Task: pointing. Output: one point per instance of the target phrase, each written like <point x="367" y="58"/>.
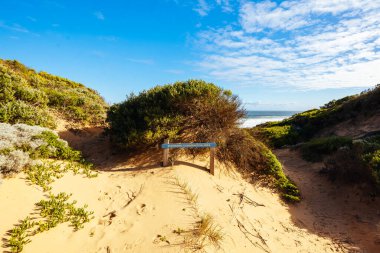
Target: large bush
<point x="195" y="111"/>
<point x="37" y="98"/>
<point x="187" y="111"/>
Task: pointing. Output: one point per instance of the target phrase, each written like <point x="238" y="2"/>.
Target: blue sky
<point x="276" y="55"/>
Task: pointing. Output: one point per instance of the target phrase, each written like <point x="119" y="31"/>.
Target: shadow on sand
<point x="97" y="148"/>
<point x="345" y="214"/>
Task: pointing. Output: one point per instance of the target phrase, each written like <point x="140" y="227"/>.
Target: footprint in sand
<point x="140" y="209"/>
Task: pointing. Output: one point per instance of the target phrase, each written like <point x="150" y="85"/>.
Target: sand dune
<point x="138" y="210"/>
<point x="141" y="207"/>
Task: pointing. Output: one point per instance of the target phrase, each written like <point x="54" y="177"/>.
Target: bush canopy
<point x="191" y="111"/>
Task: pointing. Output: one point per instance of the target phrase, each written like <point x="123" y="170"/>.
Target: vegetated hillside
<point x="353" y="155"/>
<point x="38" y="98"/>
<point x="195" y="111"/>
<point x="306" y="125"/>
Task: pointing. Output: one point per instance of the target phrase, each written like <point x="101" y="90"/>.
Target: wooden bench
<point x="211" y="145"/>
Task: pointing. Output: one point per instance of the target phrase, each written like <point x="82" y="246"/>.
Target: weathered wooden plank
<point x="189" y="145"/>
<point x="166" y="154"/>
<point x="212" y="161"/>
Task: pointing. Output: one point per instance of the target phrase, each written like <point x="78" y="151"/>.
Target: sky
<point x="275" y="55"/>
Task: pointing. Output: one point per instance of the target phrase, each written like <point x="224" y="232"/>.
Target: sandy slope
<point x="344" y="213"/>
<point x="160" y="208"/>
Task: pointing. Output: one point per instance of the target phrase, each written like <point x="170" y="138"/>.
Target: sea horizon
<point x="257" y="117"/>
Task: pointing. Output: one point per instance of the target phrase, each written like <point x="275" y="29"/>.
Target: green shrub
<point x="50" y="213"/>
<point x="358" y="163"/>
<point x="19" y="235"/>
<point x="55" y="98"/>
<point x="36" y="98"/>
<point x="190" y="111"/>
<point x="373" y="161"/>
<point x="54" y="147"/>
<point x="316" y="149"/>
<point x="289" y="190"/>
<point x="20" y="112"/>
<point x="44" y="173"/>
<point x="275" y="135"/>
<point x="57" y="210"/>
<point x="30" y="95"/>
<point x="77" y="113"/>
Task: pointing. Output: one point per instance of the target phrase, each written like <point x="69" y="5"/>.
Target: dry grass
<point x="191" y="197"/>
<point x="206" y="232"/>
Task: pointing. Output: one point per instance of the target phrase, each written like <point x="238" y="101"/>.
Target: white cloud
<point x="99" y="15"/>
<point x="291" y="15"/>
<point x="225" y="4"/>
<point x="305" y="44"/>
<point x="202" y="8"/>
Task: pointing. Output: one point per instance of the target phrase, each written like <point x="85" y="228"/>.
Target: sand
<point x="339" y="211"/>
<point x="137" y="205"/>
<point x="160" y="208"/>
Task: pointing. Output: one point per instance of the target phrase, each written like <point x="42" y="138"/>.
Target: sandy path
<point x="340" y="212"/>
<point x="160" y="208"/>
<point x="256" y="222"/>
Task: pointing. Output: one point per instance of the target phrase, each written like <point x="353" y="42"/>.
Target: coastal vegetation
<point x="304" y="126"/>
<point x="43" y="157"/>
<point x="49" y="213"/>
<point x="356" y="163"/>
<point x="353" y="159"/>
<point x="31" y="148"/>
<point x="39" y="98"/>
<point x="317" y="149"/>
<point x="195" y="111"/>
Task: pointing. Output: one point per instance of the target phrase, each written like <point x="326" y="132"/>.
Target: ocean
<point x="258" y="117"/>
